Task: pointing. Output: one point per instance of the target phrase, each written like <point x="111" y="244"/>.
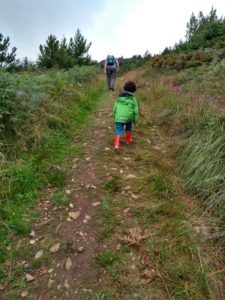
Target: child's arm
<point x="114" y="110"/>
<point x="136" y="112"/>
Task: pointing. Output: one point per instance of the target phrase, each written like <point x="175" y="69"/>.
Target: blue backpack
<point x="111" y="60"/>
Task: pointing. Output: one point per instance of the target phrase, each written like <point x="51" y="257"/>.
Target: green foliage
<point x="60" y="198"/>
<point x="49" y="53"/>
<point x="25" y="104"/>
<point x="106" y="295"/>
<point x="110" y="220"/>
<point x="204" y="36"/>
<point x="55" y="54"/>
<point x="127" y="64"/>
<point x="160" y="185"/>
<point x="78" y="49"/>
<point x="113" y="185"/>
<point x="107" y="258"/>
<point x="205" y="31"/>
<point x="6" y="58"/>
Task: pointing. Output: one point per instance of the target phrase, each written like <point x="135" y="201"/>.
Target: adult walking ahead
<point x="111" y="67"/>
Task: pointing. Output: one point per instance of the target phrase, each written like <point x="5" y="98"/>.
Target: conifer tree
<point x="49" y="56"/>
<point x="78" y="49"/>
<point x="6" y="58"/>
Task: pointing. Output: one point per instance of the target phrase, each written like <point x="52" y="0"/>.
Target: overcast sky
<point x="121" y="27"/>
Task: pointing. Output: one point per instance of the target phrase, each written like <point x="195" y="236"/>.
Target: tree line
<point x="201" y="32"/>
<point x="53" y="54"/>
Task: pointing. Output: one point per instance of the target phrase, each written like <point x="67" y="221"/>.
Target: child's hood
<point x="125" y="97"/>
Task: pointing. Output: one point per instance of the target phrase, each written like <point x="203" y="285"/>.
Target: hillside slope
<point x="124" y="226"/>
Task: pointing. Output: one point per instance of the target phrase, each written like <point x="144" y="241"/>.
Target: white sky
<point x="121" y="27"/>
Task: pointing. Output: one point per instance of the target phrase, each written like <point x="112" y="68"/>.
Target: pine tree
<point x="6" y="58"/>
<point x="191" y="27"/>
<point x="49" y="56"/>
<point x="78" y="49"/>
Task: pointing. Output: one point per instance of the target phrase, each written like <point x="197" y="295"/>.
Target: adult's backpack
<point x="110" y="60"/>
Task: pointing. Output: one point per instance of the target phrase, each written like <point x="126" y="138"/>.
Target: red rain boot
<point x="128" y="137"/>
<point x="117" y="142"/>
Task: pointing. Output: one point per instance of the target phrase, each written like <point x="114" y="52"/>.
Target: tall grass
<point x="202" y="162"/>
<point x="192" y="106"/>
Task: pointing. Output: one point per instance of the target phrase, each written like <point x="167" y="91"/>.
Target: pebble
<point x="127" y="188"/>
<point x="50" y="283"/>
<point x="95" y="204"/>
<point x="80" y="249"/>
<point x="39" y="254"/>
<point x="125" y="211"/>
<point x="29" y="277"/>
<point x="131" y="176"/>
<point x="74" y="215"/>
<point x="66" y="285"/>
<point x="68" y="264"/>
<point x="55" y="248"/>
<point x="24" y="294"/>
<point x="32" y="233"/>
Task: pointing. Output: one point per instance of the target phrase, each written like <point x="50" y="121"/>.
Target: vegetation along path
<point x="124" y="228"/>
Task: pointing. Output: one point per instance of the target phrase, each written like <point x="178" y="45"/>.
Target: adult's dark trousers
<point x="111" y="77"/>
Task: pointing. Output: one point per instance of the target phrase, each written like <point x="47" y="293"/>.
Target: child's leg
<point x="128" y="130"/>
<point x="118" y="132"/>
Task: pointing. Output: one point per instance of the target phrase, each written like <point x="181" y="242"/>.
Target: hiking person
<point x="125" y="113"/>
<point x="111" y="66"/>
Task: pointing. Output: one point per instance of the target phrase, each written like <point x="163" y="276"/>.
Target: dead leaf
<point x="134" y="236"/>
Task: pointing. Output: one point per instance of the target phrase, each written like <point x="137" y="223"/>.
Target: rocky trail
<point x="129" y="230"/>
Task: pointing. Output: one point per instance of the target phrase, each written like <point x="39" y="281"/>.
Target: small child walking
<point x="125" y="113"/>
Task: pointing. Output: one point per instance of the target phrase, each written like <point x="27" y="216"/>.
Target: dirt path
<point x="129" y="229"/>
<point x="72" y="272"/>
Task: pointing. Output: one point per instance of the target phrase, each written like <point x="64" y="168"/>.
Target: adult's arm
<point x="105" y="66"/>
<point x="117" y="64"/>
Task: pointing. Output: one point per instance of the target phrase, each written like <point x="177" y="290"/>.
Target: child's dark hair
<point x="130" y="86"/>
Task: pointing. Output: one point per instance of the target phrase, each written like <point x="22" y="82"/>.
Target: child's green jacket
<point x="126" y="109"/>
